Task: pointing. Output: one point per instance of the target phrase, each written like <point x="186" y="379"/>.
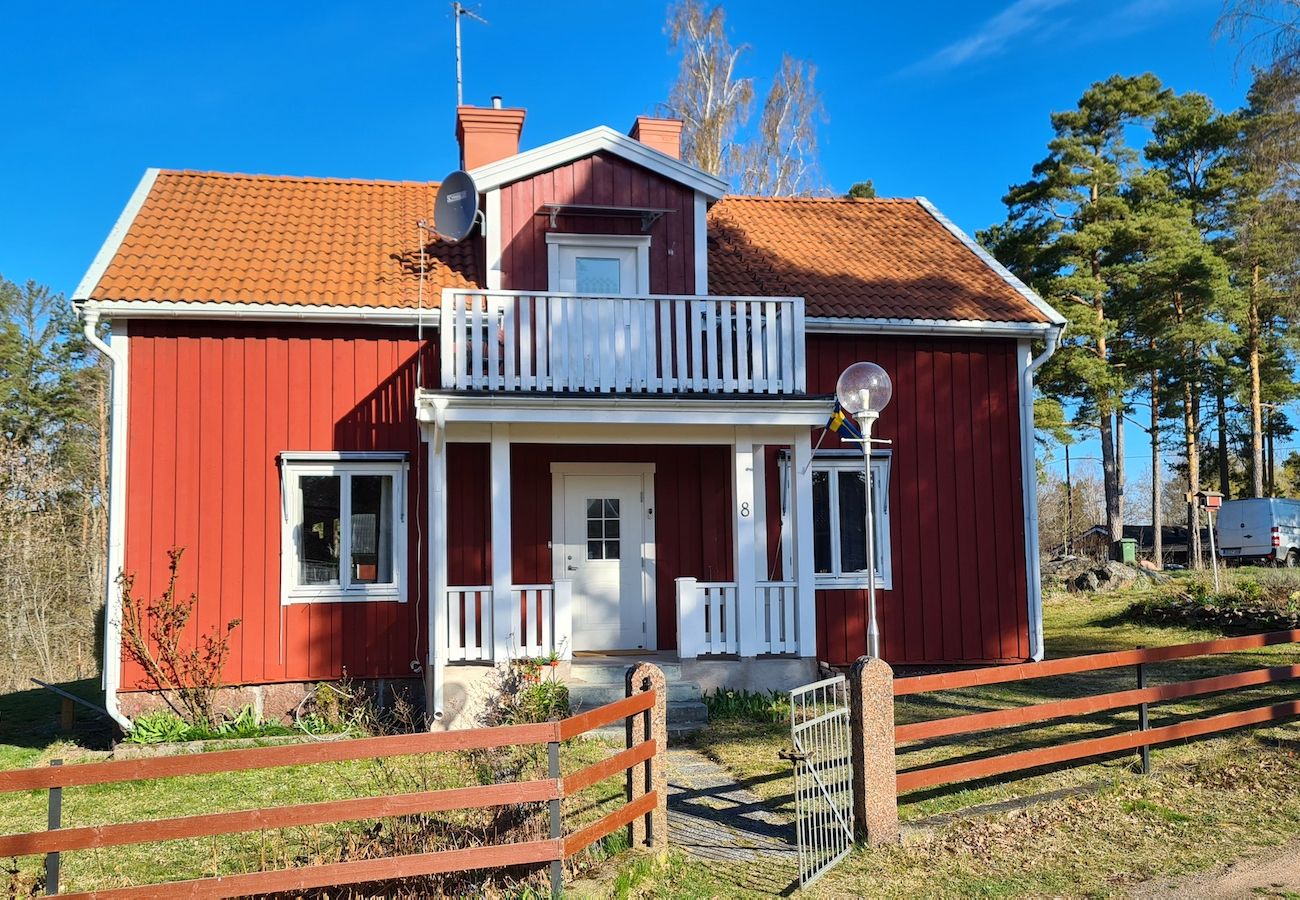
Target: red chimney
<point x="665" y="135"/>
<point x="487" y="135"/>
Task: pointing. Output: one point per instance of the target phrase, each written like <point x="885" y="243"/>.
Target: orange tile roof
<point x="855" y="258"/>
<point x="214" y="237"/>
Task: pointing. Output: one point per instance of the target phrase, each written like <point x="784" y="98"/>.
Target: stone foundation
<point x="279" y="702"/>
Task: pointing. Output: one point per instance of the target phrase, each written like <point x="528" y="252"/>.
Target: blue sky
<point x="945" y="99"/>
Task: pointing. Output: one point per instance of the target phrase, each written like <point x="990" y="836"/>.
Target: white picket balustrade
<point x="658" y="344"/>
<point x="469" y="623"/>
<point x="709" y="614"/>
<point x="774" y="609"/>
<point x="541" y="621"/>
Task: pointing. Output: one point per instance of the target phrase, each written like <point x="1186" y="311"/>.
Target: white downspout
<point x="116" y="513"/>
<point x="1029" y="478"/>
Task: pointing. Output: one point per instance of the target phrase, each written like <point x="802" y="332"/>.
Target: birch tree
<point x="710" y="97"/>
<point x="780" y="160"/>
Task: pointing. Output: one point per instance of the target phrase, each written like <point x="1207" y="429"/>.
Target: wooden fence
<point x="875" y="690"/>
<point x="644" y="808"/>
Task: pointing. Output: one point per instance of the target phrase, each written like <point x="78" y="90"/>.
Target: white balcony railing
<point x="523" y="341"/>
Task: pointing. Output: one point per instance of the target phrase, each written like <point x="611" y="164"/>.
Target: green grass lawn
<point x="1207" y="802"/>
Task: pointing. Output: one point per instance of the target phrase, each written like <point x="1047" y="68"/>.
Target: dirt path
<point x="1272" y="874"/>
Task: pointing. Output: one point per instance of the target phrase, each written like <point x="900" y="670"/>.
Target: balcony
<point x="521" y="341"/>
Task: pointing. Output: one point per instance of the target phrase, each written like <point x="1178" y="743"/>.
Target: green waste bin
<point x="1126" y="551"/>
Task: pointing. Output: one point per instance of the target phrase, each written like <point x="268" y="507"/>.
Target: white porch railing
<point x="774" y="606"/>
<point x="469" y="623"/>
<point x="709" y="618"/>
<point x="657" y="344"/>
<point x="541" y="621"/>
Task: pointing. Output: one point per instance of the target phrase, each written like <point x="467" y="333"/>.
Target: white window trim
<point x="638" y="242"/>
<point x="293" y="465"/>
<point x="851" y="461"/>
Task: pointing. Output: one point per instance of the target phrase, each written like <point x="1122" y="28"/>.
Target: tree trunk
<point x="1120" y="480"/>
<point x="1114" y="514"/>
<point x="1221" y="412"/>
<point x="1256" y="398"/>
<point x="1193" y="451"/>
<point x="1157" y="515"/>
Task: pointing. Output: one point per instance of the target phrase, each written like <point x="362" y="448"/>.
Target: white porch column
<point x="761" y="571"/>
<point x="742" y="472"/>
<point x="804" y="574"/>
<point x="503" y="618"/>
<point x="437" y="556"/>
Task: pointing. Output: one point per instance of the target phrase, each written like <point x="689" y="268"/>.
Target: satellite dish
<point x="456" y="208"/>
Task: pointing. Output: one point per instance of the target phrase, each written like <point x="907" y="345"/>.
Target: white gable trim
<point x="987" y="258"/>
<point x="600" y="138"/>
<point x="114" y="240"/>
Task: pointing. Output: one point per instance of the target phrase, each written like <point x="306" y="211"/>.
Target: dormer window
<point x="610" y="265"/>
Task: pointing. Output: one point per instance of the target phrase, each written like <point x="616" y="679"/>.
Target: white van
<point x="1260" y="531"/>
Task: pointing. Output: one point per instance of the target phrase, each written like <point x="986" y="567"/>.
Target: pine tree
<point x="1264" y="216"/>
<point x="1061" y="234"/>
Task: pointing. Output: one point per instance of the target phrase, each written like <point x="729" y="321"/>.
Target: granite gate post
<point x="871" y="719"/>
<point x="650" y="830"/>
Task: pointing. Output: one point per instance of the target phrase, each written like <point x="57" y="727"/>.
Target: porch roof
<point x="615" y="410"/>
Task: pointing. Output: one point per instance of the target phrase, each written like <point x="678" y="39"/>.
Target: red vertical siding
<point x="605" y="181"/>
<point x="211" y="406"/>
<point x="955" y="497"/>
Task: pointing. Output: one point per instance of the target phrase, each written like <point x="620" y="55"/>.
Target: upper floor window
<point x="344" y="527"/>
<point x="607" y="264"/>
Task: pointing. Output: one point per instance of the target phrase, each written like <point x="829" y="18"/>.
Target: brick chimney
<point x="665" y="135"/>
<point x="487" y="135"/>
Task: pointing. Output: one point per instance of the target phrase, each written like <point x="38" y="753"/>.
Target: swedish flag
<point x="843" y="426"/>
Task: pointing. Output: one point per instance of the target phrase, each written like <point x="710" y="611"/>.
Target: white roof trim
<point x="281" y="312"/>
<point x="114" y="240"/>
<point x="987" y="258"/>
<point x="951" y="327"/>
<point x="602" y="137"/>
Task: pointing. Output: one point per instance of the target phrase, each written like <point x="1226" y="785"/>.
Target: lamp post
<point x="863" y="390"/>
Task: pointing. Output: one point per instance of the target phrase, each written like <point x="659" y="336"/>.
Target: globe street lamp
<point x="863" y="390"/>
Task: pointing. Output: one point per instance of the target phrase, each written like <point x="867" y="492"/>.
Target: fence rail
<point x="1140" y="697"/>
<point x="645" y="704"/>
<point x="657" y="344"/>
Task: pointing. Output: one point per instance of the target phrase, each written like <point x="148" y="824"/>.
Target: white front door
<point x="601" y="553"/>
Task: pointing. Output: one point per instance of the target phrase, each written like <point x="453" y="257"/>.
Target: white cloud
<point x="991" y="37"/>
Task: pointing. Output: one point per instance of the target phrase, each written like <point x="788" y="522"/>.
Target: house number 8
<point x="744" y="510"/>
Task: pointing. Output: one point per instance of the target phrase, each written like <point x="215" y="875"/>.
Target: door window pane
<point x="602" y="529"/>
<point x="372" y="529"/>
<point x="853" y="523"/>
<point x="597" y="275"/>
<point x="821" y="521"/>
<point x="319" y="534"/>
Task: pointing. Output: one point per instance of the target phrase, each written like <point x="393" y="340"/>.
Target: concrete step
<point x="616" y="673"/>
<point x="684" y="717"/>
<point x="583" y="695"/>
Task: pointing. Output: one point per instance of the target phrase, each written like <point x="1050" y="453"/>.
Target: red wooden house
<point x="587" y="427"/>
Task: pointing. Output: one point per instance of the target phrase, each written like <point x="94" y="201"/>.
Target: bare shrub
<point x="154" y="635"/>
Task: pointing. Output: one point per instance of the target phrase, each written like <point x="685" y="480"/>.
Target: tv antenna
<point x="458" y="10"/>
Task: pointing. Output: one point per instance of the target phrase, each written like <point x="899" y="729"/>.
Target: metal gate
<point x="823" y="775"/>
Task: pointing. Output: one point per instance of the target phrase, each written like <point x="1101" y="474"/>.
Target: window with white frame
<point x="344" y="524"/>
<point x="839" y="520"/>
